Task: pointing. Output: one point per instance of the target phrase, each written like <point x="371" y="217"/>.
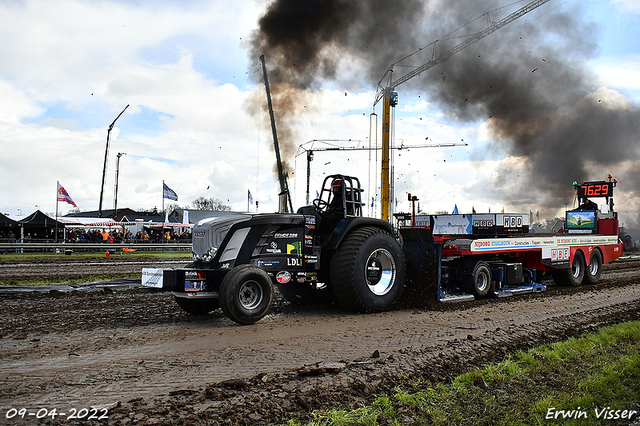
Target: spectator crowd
<point x="82" y="235"/>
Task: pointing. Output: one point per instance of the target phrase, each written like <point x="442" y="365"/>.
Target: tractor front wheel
<point x="246" y="294"/>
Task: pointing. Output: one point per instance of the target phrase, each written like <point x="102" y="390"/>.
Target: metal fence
<point x="49" y="246"/>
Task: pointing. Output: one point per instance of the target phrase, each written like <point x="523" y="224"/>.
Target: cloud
<point x="197" y="120"/>
<point x="628" y="5"/>
<point x="21" y="104"/>
<point x="69" y="67"/>
<point x="622" y="72"/>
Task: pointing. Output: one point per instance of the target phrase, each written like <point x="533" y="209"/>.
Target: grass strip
<point x="591" y="380"/>
<point x="39" y="281"/>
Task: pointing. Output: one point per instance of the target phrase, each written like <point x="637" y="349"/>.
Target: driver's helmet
<point x="336" y="186"/>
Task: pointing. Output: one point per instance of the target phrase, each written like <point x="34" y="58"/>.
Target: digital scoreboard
<point x="595" y="189"/>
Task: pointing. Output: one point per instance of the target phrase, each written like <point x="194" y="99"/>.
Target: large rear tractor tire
<point x="246" y="294"/>
<point x="594" y="270"/>
<point x="195" y="306"/>
<point x="367" y="271"/>
<point x="571" y="276"/>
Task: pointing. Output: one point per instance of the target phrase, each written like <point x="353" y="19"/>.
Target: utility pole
<point x="115" y="196"/>
<point x="106" y="156"/>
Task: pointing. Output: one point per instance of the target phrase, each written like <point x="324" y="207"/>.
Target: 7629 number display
<point x="596" y="189"/>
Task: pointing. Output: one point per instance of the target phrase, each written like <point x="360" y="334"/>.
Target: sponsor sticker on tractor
<point x="283" y="277"/>
<point x="194" y="281"/>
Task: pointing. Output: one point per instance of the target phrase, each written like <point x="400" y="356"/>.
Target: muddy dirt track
<point x="135" y="356"/>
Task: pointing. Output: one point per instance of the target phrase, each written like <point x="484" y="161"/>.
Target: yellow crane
<point x="386" y="91"/>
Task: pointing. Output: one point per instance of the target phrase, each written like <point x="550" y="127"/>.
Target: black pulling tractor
<point x="326" y="251"/>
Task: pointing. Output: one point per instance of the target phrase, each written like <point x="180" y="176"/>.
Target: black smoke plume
<point x="528" y="81"/>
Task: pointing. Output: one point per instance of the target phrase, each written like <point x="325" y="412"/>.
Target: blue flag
<point x="168" y="192"/>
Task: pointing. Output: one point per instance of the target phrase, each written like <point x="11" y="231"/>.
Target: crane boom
<point x="468" y="42"/>
<point x="302" y="149"/>
<point x="459" y="47"/>
<point x="389" y="97"/>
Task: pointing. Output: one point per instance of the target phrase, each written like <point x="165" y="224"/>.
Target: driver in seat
<point x="336" y="206"/>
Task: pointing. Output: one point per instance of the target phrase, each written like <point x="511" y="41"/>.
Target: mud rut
<point x="136" y="354"/>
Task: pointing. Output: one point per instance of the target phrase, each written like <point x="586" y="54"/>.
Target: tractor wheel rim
<point x="250" y="294"/>
<point x="380" y="272"/>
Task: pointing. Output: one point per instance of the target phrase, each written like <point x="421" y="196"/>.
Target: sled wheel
<point x="480" y="282"/>
<point x="571" y="276"/>
<point x="197" y="306"/>
<point x="594" y="270"/>
<point x="246" y="294"/>
<point x="367" y="271"/>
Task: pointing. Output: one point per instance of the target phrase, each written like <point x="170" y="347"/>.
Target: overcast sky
<point x="69" y="67"/>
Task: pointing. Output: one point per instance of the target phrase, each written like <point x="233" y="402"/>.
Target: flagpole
<point x="55" y="236"/>
<point x="162" y="194"/>
<point x="248" y="193"/>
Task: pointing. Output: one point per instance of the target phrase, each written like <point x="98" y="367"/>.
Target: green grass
<point x="578" y="378"/>
<point x="82" y="277"/>
<point x="55" y="281"/>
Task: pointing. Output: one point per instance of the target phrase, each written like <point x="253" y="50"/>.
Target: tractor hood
<point x="208" y="234"/>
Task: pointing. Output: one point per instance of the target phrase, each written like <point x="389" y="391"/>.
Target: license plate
<point x="152" y="278"/>
<point x="193" y="285"/>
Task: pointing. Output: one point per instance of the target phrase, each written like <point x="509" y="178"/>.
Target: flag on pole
<point x="455" y="209"/>
<point x="250" y="197"/>
<point x="168" y="193"/>
<point x="63" y="195"/>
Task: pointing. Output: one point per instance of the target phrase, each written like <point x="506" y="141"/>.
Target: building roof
<point x="6" y="221"/>
<point x="105" y="213"/>
<point x="145" y="218"/>
<point x="38" y="219"/>
<point x="195" y="216"/>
